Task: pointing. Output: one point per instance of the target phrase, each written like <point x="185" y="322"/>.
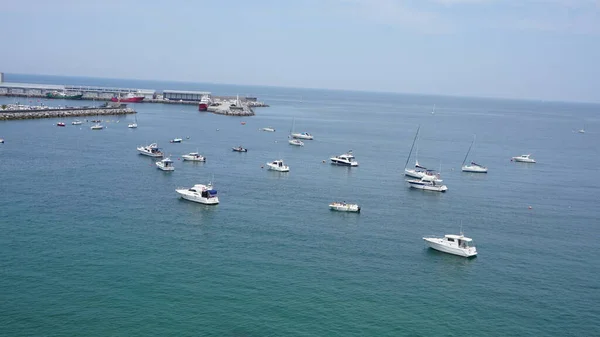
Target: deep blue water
<point x="95" y="241"/>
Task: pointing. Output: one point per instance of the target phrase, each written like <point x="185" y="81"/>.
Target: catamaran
<point x="473" y="167"/>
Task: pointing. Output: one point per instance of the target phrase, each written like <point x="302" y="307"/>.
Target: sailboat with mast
<point x="473" y="167"/>
<point x="292" y="140"/>
<point x="419" y="172"/>
<point x="134" y="124"/>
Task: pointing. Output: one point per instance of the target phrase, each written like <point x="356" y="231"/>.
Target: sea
<point x="94" y="241"/>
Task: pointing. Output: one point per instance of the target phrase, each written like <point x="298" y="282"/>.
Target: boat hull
<point x="149" y="154"/>
<point x="197" y="199"/>
<point x="427" y="187"/>
<point x="202" y="107"/>
<point x="421" y="175"/>
<point x="295" y="142"/>
<point x="278" y="168"/>
<point x="193" y="158"/>
<point x="474" y="169"/>
<point x="435" y="243"/>
<point x="302" y="136"/>
<point x="50" y="95"/>
<point x="132" y="126"/>
<point x="162" y="167"/>
<point x="239" y="150"/>
<point x="521" y="160"/>
<point x="353" y="208"/>
<point x="343" y="163"/>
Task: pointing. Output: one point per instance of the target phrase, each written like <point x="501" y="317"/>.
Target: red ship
<point x="204" y="102"/>
<point x="130" y="98"/>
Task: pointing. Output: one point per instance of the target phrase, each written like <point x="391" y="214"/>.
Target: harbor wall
<point x="62" y="112"/>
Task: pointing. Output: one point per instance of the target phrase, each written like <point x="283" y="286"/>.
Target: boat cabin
<point x="458" y="240"/>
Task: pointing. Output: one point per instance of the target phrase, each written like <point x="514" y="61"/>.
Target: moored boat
<point x="60" y="124"/>
<point x="63" y="95"/>
<point x="193" y="156"/>
<point x="278" y="165"/>
<point x="344" y="207"/>
<point x="303" y="135"/>
<point x="473" y="167"/>
<point x="203" y="194"/>
<point x="129" y="98"/>
<point x="426" y="185"/>
<point x="77" y="122"/>
<point x="239" y="149"/>
<point x="176" y="140"/>
<point x="268" y="129"/>
<point x="165" y="164"/>
<point x="453" y="244"/>
<point x="346" y="159"/>
<point x="524" y="158"/>
<point x="97" y="127"/>
<point x="151" y="150"/>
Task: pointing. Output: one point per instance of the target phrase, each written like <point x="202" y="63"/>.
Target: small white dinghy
<point x="165" y="164"/>
<point x="344" y="207"/>
<point x="268" y="129"/>
<point x="453" y="244"/>
<point x="193" y="156"/>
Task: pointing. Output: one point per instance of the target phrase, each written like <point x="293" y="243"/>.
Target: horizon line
<point x="316" y="88"/>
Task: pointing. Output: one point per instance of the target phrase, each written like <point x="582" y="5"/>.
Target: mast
<point x="463" y="163"/>
<point x="411" y="148"/>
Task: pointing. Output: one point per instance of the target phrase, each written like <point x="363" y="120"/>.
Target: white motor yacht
<point x="204" y="194"/>
<point x="453" y="244"/>
<point x="76" y="122"/>
<point x="296" y="142"/>
<point x="303" y="135"/>
<point x="278" y="165"/>
<point x="193" y="156"/>
<point x="97" y="127"/>
<point x="165" y="164"/>
<point x="346" y="159"/>
<point x="524" y="158"/>
<point x="427" y="185"/>
<point x="151" y="150"/>
<point x="344" y="207"/>
<point x="268" y="129"/>
<point x="176" y="140"/>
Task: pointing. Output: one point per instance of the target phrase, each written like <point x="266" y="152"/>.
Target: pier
<point x="31" y="90"/>
<point x="13" y="112"/>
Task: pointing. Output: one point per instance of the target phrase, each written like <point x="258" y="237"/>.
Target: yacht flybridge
<point x="346" y="159"/>
<point x="453" y="244"/>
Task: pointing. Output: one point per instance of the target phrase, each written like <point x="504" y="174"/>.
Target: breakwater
<point x="231" y="110"/>
<point x="63" y="112"/>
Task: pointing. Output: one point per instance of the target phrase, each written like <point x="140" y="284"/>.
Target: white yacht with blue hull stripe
<point x="346" y="159"/>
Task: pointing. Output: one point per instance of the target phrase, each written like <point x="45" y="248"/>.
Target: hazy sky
<point x="541" y="49"/>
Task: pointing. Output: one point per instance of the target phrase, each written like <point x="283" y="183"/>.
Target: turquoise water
<point x="95" y="241"/>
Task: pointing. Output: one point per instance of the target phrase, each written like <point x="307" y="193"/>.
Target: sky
<point x="524" y="49"/>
